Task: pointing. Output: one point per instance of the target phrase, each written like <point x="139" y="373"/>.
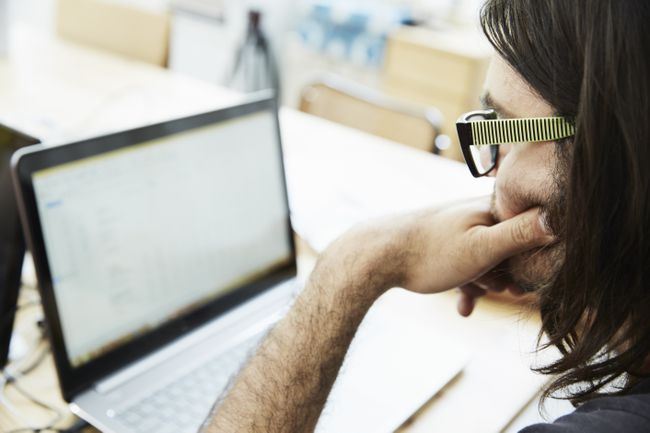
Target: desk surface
<point x="57" y="90"/>
<point x="60" y="91"/>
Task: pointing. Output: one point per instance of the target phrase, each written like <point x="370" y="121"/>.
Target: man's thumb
<point x="520" y="233"/>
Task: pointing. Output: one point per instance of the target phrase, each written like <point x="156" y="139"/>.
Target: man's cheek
<point x="536" y="269"/>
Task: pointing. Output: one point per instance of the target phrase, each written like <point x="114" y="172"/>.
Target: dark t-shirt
<point x="623" y="414"/>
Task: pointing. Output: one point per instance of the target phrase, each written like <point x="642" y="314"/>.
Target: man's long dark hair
<point x="590" y="59"/>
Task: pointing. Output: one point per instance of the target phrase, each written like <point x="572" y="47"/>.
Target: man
<point x="568" y="219"/>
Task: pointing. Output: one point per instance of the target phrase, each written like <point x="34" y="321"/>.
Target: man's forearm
<point x="285" y="385"/>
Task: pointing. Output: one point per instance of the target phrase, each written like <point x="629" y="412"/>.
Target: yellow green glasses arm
<point x="480" y="128"/>
<point x="507" y="131"/>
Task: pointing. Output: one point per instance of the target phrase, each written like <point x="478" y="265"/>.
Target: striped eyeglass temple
<point x="507" y="131"/>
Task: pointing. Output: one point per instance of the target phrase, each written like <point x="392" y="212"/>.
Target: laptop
<point x="163" y="254"/>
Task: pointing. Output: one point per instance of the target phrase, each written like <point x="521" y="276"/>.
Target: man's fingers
<point x="515" y="290"/>
<point x="465" y="305"/>
<point x="472" y="290"/>
<point x="497" y="280"/>
<point x="467" y="300"/>
<point x="520" y="233"/>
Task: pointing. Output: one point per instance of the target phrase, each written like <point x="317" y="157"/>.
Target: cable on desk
<point x="78" y="426"/>
<point x="8" y="371"/>
<point x="7" y="404"/>
<point x="36" y="430"/>
<point x="9" y="377"/>
<point x="13" y="380"/>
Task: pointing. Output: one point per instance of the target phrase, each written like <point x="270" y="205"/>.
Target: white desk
<point x="58" y="91"/>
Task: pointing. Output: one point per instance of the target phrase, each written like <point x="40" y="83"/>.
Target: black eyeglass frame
<point x="466" y="140"/>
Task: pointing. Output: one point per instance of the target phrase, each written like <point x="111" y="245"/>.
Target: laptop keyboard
<point x="183" y="405"/>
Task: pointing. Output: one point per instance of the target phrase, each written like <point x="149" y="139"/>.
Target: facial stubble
<point x="538" y="268"/>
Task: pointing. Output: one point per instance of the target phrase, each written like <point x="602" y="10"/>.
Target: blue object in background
<point x="355" y="31"/>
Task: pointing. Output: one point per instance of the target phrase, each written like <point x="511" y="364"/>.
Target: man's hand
<point x="439" y="249"/>
<point x="285" y="385"/>
<point x="454" y="248"/>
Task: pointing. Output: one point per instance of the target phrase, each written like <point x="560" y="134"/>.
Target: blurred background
<point x="397" y="69"/>
<point x="401" y="69"/>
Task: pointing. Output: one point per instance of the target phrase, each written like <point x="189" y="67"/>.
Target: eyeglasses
<point x="480" y="134"/>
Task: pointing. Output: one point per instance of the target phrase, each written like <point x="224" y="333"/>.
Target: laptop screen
<point x="138" y="236"/>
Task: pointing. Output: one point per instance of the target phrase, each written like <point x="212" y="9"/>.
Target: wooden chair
<point x="372" y="111"/>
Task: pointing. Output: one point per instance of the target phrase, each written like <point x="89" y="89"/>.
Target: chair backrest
<point x="369" y="110"/>
<point x="129" y="30"/>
